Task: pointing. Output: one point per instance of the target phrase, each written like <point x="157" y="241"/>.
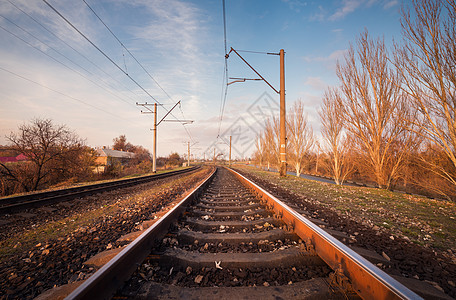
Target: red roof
<point x="12" y="159"/>
<point x="8" y="159"/>
<point x="21" y="157"/>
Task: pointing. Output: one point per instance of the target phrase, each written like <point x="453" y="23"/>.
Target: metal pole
<point x="154" y="158"/>
<point x="283" y="133"/>
<point x="214" y="156"/>
<point x="229" y="164"/>
<point x="188" y="158"/>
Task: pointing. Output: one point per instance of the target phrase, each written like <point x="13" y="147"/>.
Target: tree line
<point x="54" y="156"/>
<point x="391" y="121"/>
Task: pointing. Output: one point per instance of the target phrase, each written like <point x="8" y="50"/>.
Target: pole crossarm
<point x="253" y="69"/>
<point x="282" y="117"/>
<point x="242" y="80"/>
<point x="169" y="111"/>
<point x="180" y="121"/>
<point x="150" y="111"/>
<point x="146" y="106"/>
<point x="154" y="147"/>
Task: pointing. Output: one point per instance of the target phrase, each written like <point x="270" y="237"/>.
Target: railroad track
<point x="18" y="203"/>
<point x="230" y="239"/>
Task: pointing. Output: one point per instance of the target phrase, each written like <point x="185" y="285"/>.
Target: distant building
<point x="107" y="157"/>
<point x="13" y="159"/>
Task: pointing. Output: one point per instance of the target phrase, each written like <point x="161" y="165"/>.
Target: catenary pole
<point x="229" y="164"/>
<point x="154" y="152"/>
<point x="154" y="129"/>
<point x="283" y="132"/>
<point x="282" y="116"/>
<point x="188" y="154"/>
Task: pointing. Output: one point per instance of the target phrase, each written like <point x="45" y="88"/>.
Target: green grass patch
<point x="63" y="228"/>
<point x="386" y="225"/>
<point x="410" y="232"/>
<point x="408" y="215"/>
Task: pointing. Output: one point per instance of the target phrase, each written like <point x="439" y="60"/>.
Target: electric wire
<point x="257" y="52"/>
<point x="137" y="61"/>
<point x="131" y="54"/>
<point x="54" y="59"/>
<point x="95" y="46"/>
<point x="75" y="50"/>
<point x="63" y="94"/>
<point x="225" y="75"/>
<point x="99" y="50"/>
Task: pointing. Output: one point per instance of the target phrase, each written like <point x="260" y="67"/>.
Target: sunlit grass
<point x="425" y="221"/>
<point x="65" y="227"/>
<point x="87" y="183"/>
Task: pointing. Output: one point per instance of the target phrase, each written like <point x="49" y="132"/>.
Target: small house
<point x="107" y="157"/>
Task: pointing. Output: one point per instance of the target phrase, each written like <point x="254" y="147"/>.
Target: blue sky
<point x="48" y="70"/>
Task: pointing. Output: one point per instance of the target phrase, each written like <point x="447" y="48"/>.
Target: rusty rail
<point x="104" y="283"/>
<point x="367" y="280"/>
<point x="18" y="203"/>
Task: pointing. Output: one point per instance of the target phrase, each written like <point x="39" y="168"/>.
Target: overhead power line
<point x="137" y="61"/>
<point x="55" y="59"/>
<point x="225" y="74"/>
<point x="131" y="54"/>
<point x="258" y="52"/>
<point x="75" y="50"/>
<point x="63" y="94"/>
<point x="99" y="50"/>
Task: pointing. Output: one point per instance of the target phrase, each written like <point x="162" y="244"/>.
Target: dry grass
<point x="70" y="183"/>
<point x="425" y="221"/>
<point x="85" y="218"/>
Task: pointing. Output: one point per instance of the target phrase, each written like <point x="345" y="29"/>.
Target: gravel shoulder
<point x="46" y="247"/>
<point x="417" y="234"/>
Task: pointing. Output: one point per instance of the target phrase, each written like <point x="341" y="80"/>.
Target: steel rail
<point x="104" y="283"/>
<point x="17" y="203"/>
<point x="367" y="280"/>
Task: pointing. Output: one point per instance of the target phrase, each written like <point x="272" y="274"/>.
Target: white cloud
<point x="389" y="4"/>
<point x="172" y="43"/>
<point x="320" y="15"/>
<point x="295" y="5"/>
<point x="330" y="59"/>
<point x="348" y="7"/>
<point x="177" y="30"/>
<point x="316" y="83"/>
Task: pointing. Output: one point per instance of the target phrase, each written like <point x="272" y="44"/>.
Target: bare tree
<point x="51" y="150"/>
<point x="260" y="151"/>
<point x="332" y="121"/>
<point x="121" y="144"/>
<point x="424" y="175"/>
<point x="427" y="63"/>
<point x="317" y="158"/>
<point x="300" y="138"/>
<point x="271" y="142"/>
<point x="373" y="108"/>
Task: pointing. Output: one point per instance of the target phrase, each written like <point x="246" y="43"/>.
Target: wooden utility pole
<point x="188" y="150"/>
<point x="154" y="147"/>
<point x="214" y="156"/>
<point x="283" y="132"/>
<point x="281" y="92"/>
<point x="229" y="163"/>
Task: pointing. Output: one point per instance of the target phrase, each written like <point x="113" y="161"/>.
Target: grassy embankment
<point x="61" y="229"/>
<point x="65" y="185"/>
<point x="425" y="221"/>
